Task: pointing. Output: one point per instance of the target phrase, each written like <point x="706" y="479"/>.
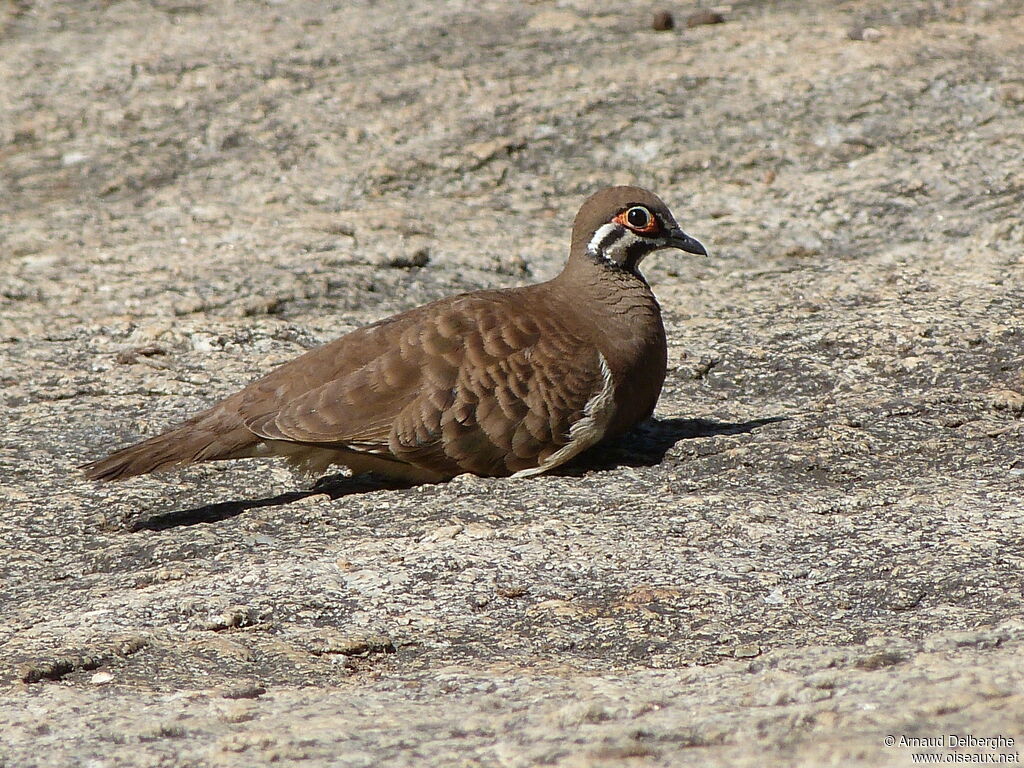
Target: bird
<point x="503" y="382"/>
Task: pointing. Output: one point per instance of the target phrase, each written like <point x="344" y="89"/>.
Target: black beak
<point x="679" y="239"/>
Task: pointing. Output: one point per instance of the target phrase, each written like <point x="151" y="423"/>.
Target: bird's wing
<point x="477" y="385"/>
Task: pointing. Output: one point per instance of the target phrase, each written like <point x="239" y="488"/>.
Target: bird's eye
<point x="639" y="217"/>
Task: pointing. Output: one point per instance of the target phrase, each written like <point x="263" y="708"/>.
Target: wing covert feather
<point x="475" y="386"/>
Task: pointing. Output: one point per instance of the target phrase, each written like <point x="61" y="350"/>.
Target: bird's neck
<point x="597" y="276"/>
<point x="618" y="313"/>
<point x="616" y="303"/>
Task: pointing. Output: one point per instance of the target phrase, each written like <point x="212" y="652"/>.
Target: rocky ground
<point x="815" y="545"/>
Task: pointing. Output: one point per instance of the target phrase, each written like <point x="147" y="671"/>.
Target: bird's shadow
<point x="644" y="446"/>
<point x="647" y="443"/>
<point x="335" y="486"/>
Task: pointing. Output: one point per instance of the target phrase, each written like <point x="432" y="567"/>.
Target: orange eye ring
<point x="639" y="219"/>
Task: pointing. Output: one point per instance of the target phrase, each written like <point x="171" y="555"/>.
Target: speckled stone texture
<point x="817" y="542"/>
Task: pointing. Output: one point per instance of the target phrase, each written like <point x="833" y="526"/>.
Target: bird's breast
<point x="635" y="349"/>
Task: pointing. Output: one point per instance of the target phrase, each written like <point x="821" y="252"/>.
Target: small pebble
<point x="478" y="602"/>
<point x="1007" y="399"/>
<point x="879" y="660"/>
<point x="418" y="258"/>
<point x="73" y="158"/>
<point x="129" y="356"/>
<point x="236" y="616"/>
<point x="101" y="678"/>
<point x="512" y="592"/>
<point x="353" y="646"/>
<point x="662" y="21"/>
<point x="865" y="34"/>
<point x="704" y="17"/>
<point x="1011" y="93"/>
<point x="246" y="689"/>
<point x="747" y="651"/>
<point x="33" y="672"/>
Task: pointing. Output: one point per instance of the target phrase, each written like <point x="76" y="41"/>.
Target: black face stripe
<point x="611" y="237"/>
<point x="635" y="253"/>
<point x="622" y="248"/>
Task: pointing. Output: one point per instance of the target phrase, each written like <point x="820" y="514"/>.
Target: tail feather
<point x="209" y="437"/>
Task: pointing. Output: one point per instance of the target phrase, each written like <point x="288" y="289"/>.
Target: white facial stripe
<point x="616" y="250"/>
<point x="612" y="242"/>
<point x="594" y="246"/>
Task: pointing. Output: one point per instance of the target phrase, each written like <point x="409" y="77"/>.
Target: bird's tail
<point x="210" y="436"/>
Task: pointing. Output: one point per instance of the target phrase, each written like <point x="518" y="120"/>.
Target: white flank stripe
<point x="597" y="415"/>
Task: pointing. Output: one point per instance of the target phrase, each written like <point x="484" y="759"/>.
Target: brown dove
<point x="496" y="382"/>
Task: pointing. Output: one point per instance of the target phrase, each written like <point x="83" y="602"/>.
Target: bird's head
<point x="619" y="226"/>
